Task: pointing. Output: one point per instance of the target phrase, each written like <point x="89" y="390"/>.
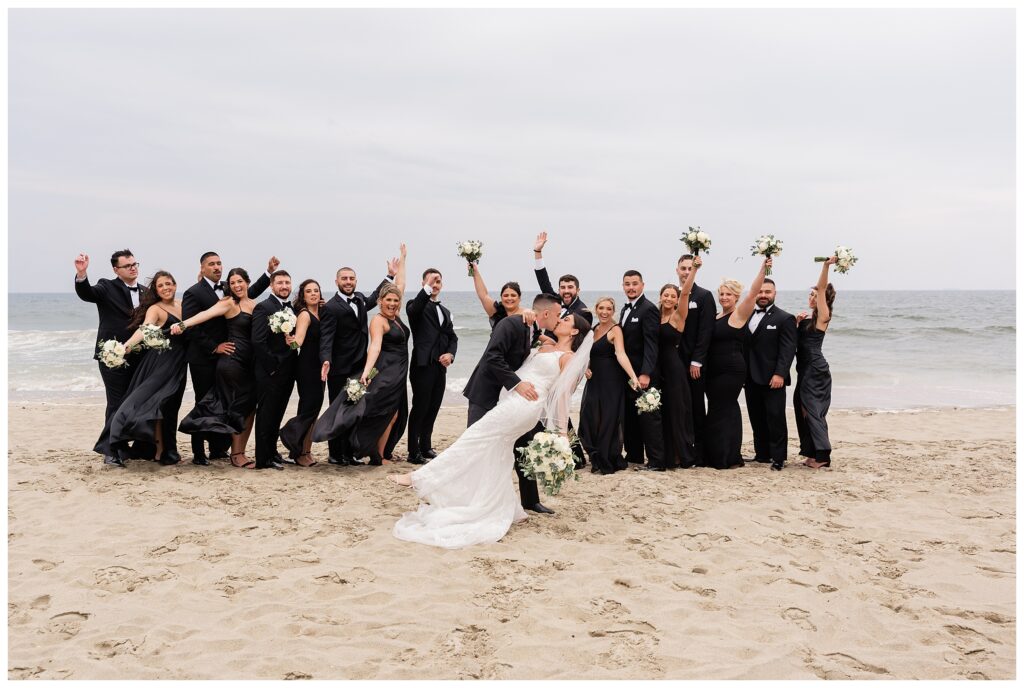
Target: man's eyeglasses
<point x="129" y="266"/>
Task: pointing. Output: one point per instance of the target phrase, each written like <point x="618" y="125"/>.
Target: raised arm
<point x="373" y="353"/>
<point x="678" y="319"/>
<point x="481" y="292"/>
<point x="620" y="354"/>
<point x="745" y="308"/>
<point x="824" y="312"/>
<point x="400" y="274"/>
<point x="218" y="309"/>
<point x="85" y="291"/>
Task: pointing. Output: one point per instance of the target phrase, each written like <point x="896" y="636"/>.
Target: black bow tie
<point x="135" y="289"/>
<point x="218" y="286"/>
<point x="437" y="303"/>
<point x="760" y="310"/>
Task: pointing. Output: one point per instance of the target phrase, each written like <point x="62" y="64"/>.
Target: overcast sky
<point x="328" y="136"/>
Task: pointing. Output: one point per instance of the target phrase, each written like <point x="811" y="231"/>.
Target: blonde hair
<point x="732" y="285"/>
<point x="388" y="289"/>
<point x="602" y="300"/>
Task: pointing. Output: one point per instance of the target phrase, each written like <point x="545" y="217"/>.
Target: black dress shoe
<point x="201" y="461"/>
<point x="219" y="455"/>
<point x="113" y="461"/>
<point x="353" y="461"/>
<point x="376" y="460"/>
<point x="760" y="460"/>
<point x="429" y="454"/>
<point x="540" y="509"/>
<point x="273" y="464"/>
<point x="169" y="460"/>
<point x="417" y="459"/>
<point x="658" y="469"/>
<point x="284" y="459"/>
<point x="777" y="465"/>
<point x="336" y="461"/>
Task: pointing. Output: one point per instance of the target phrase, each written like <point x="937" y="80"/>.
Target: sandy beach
<point x="897" y="563"/>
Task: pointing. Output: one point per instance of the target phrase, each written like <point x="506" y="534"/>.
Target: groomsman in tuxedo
<point x="115" y="301"/>
<point x="507" y="349"/>
<point x="693" y="350"/>
<point x="209" y="340"/>
<point x="770" y="355"/>
<point x="434" y="343"/>
<point x="568" y="285"/>
<point x="274" y="370"/>
<point x="640" y="320"/>
<point x="343" y="341"/>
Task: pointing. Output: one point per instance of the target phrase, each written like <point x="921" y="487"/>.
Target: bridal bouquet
<point x="471" y="251"/>
<point x="154" y="338"/>
<point x="844" y="259"/>
<point x="696" y="240"/>
<point x="112" y="353"/>
<point x="766" y="245"/>
<point x="548" y="460"/>
<point x="649" y="401"/>
<point x="283" y="322"/>
<point x="356" y="389"/>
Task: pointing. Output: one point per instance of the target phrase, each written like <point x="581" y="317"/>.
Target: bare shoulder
<point x="564" y="359"/>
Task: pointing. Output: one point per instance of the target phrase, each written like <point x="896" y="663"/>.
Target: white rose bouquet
<point x="844" y="259"/>
<point x="472" y="251"/>
<point x="649" y="401"/>
<point x="112" y="353"/>
<point x="766" y="245"/>
<point x="548" y="460"/>
<point x="154" y="338"/>
<point x="283" y="322"/>
<point x="696" y="240"/>
<point x="356" y="390"/>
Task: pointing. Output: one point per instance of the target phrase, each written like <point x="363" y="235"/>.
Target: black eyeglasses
<point x="129" y="266"/>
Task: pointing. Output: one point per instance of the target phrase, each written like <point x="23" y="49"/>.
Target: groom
<point x="506" y="350"/>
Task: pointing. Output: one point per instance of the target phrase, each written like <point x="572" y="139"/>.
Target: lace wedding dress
<point x="470" y="484"/>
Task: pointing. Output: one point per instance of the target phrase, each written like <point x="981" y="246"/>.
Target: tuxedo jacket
<point x="640" y="336"/>
<point x="430" y="338"/>
<point x="771" y="347"/>
<point x="577" y="306"/>
<point x="205" y="337"/>
<point x="700" y="322"/>
<point x="113" y="303"/>
<point x="509" y="345"/>
<point x="343" y="334"/>
<point x="270" y="350"/>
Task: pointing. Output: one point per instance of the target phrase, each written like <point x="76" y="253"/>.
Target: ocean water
<point x="888" y="350"/>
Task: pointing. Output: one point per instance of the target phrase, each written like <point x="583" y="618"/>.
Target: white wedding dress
<point x="470" y="484"/>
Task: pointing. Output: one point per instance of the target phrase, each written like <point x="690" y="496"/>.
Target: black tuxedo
<point x="343" y="341"/>
<point x="642" y="431"/>
<point x="693" y="348"/>
<point x="506" y="351"/>
<point x="577" y="306"/>
<point x="275" y="364"/>
<point x="432" y="337"/>
<point x="114" y="305"/>
<point x="770" y="351"/>
<point x="202" y="340"/>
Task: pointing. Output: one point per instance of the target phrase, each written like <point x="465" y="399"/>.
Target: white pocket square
<point x="635" y="320"/>
<point x="693" y="304"/>
<point x="771" y="327"/>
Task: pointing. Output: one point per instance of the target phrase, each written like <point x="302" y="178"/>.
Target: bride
<point x="469" y="485"/>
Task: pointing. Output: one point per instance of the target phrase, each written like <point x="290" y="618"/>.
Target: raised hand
<point x="272" y="264"/>
<point x="432" y="279"/>
<point x="402" y="251"/>
<point x="82" y="264"/>
<point x="542" y="239"/>
<point x="768" y="264"/>
<point x="697" y="262"/>
<point x="392" y="267"/>
<point x="832" y="260"/>
<point x="801" y="316"/>
<point x="529" y="316"/>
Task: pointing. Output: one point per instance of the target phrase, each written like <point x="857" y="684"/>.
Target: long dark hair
<point x="149" y="298"/>
<point x="830" y="298"/>
<point x="580" y="323"/>
<point x="300" y="295"/>
<point x="241" y="273"/>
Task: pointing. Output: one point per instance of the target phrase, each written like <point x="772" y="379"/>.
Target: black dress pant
<point x="339" y="446"/>
<point x="428" y="383"/>
<point x="642" y="433"/>
<point x="272" y="395"/>
<point x="529" y="495"/>
<point x="695" y="454"/>
<point x="204" y="376"/>
<point x="767" y="410"/>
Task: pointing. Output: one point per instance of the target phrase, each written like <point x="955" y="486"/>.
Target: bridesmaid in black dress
<point x="676" y="417"/>
<point x="813" y="393"/>
<point x="229" y="406"/>
<point x="376" y="422"/>
<point x="297" y="433"/>
<point x="604" y="397"/>
<point x="149" y="411"/>
<point x="726" y="371"/>
<point x="510" y="303"/>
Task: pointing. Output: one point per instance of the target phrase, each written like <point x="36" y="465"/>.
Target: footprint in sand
<point x="353" y="576"/>
<point x="801" y="617"/>
<point x="45" y="565"/>
<point x="856" y="664"/>
<point x="68" y="624"/>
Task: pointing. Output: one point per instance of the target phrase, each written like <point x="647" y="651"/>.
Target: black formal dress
<point x="770" y="351"/>
<point x="693" y="348"/>
<point x="813" y="393"/>
<point x="500" y="313"/>
<point x="154" y="394"/>
<point x="225" y="408"/>
<point x="363" y="422"/>
<point x="603" y="408"/>
<point x="676" y="417"/>
<point x="311" y="390"/>
<point x="726" y="371"/>
<point x="433" y="335"/>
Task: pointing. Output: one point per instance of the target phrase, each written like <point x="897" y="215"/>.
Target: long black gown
<point x="726" y="371"/>
<point x="365" y="421"/>
<point x="676" y="418"/>
<point x="311" y="390"/>
<point x="813" y="393"/>
<point x="154" y="393"/>
<point x="233" y="396"/>
<point x="603" y="408"/>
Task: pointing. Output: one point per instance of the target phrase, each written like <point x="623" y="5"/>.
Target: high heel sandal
<point x="298" y="461"/>
<point x="247" y="464"/>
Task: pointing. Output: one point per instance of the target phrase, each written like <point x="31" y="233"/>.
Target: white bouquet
<point x="154" y="338"/>
<point x="766" y="245"/>
<point x="844" y="259"/>
<point x="112" y="353"/>
<point x="649" y="401"/>
<point x="548" y="460"/>
<point x="696" y="240"/>
<point x="471" y="250"/>
<point x="283" y="322"/>
<point x="356" y="389"/>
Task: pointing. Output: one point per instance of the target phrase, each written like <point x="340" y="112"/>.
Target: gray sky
<point x="328" y="136"/>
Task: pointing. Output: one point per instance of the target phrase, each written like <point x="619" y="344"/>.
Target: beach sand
<point x="897" y="563"/>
